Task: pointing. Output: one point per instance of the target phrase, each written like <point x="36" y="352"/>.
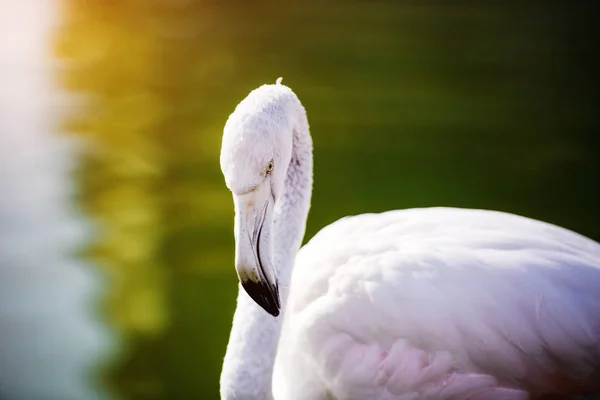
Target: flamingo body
<point x="441" y="303"/>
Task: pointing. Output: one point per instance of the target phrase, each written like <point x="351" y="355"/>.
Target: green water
<point x="411" y="104"/>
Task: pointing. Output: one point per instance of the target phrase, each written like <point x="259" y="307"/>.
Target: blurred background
<point x="116" y="245"/>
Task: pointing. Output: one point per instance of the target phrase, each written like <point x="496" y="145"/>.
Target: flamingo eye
<point x="269" y="167"/>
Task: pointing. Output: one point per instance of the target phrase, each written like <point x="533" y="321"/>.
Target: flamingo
<point x="417" y="304"/>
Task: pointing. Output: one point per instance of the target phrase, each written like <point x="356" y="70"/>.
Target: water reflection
<point x="52" y="342"/>
<point x="410" y="105"/>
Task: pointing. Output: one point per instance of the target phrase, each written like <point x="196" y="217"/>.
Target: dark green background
<point x="410" y="103"/>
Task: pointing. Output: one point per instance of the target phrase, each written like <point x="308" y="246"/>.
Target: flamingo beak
<point x="253" y="260"/>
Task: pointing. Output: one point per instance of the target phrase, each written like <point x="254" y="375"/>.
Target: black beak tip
<point x="264" y="296"/>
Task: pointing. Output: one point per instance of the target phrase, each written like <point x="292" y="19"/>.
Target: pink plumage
<point x="444" y="303"/>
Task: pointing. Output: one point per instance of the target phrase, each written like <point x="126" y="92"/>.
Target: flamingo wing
<point x="441" y="303"/>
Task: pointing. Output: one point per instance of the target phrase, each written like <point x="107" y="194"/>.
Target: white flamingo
<point x="432" y="303"/>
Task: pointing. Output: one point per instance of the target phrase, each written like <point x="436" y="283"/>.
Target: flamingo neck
<point x="248" y="365"/>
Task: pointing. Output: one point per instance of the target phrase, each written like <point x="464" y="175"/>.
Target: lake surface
<point x="411" y="104"/>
